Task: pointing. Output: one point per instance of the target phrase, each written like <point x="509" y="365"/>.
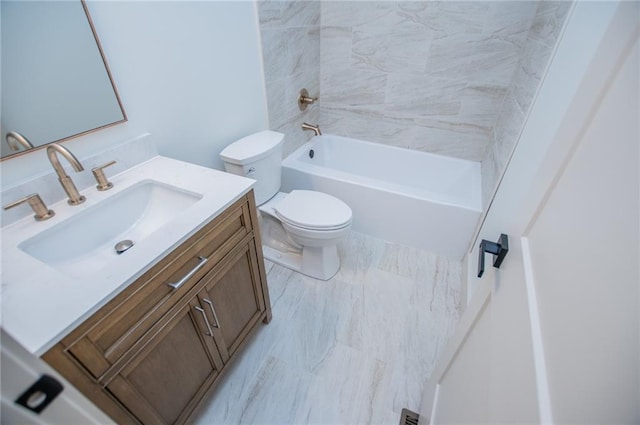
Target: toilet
<point x="300" y="230"/>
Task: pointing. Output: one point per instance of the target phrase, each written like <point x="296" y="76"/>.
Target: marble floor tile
<point x="276" y="394"/>
<point x="355" y="349"/>
<point x="313" y="326"/>
<point x="358" y="254"/>
<point x="400" y="260"/>
<point x="271" y="397"/>
<point x="346" y="389"/>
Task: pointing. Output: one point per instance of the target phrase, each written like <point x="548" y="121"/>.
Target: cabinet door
<point x="165" y="381"/>
<point x="232" y="298"/>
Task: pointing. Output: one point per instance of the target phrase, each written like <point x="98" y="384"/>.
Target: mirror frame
<point x="113" y="86"/>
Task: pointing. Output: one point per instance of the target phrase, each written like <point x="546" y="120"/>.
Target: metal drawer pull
<point x="205" y="319"/>
<point x="193" y="271"/>
<point x="213" y="311"/>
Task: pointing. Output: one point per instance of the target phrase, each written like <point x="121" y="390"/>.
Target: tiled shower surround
<point x="449" y="77"/>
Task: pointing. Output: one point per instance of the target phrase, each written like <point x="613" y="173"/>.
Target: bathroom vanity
<point x="149" y="349"/>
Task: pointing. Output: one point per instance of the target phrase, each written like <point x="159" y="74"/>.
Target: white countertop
<point x="40" y="305"/>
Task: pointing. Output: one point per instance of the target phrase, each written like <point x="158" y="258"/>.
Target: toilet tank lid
<point x="252" y="147"/>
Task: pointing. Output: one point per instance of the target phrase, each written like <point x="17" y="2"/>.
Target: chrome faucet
<point x="314" y="128"/>
<point x="67" y="184"/>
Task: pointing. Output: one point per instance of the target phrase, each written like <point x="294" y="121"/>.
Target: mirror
<point x="56" y="83"/>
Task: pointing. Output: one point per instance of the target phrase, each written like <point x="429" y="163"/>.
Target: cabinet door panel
<point x="168" y="377"/>
<point x="232" y="298"/>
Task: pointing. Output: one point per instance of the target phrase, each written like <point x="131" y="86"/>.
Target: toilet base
<point x="317" y="262"/>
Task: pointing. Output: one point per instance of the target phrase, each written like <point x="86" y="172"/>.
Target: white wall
<point x="189" y="73"/>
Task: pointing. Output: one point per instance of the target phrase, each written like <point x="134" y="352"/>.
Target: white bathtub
<point x="403" y="196"/>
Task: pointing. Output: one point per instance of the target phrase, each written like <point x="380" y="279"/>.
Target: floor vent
<point x="407" y="417"/>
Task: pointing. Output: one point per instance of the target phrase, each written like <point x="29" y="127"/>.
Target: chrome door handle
<point x="205" y="319"/>
<point x="193" y="271"/>
<point x="213" y="311"/>
<point x="498" y="249"/>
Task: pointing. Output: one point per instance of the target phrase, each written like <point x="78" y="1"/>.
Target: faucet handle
<point x="98" y="173"/>
<point x="304" y="99"/>
<point x="41" y="211"/>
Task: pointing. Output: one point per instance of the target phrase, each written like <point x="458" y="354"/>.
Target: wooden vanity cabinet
<point x="153" y="353"/>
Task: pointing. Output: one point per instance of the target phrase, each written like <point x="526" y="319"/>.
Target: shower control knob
<point x="304" y="99"/>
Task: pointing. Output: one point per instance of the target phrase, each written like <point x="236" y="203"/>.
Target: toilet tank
<point x="257" y="156"/>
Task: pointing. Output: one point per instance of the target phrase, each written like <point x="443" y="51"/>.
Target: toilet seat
<point x="313" y="210"/>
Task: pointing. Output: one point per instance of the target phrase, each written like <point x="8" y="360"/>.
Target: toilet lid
<point x="313" y="210"/>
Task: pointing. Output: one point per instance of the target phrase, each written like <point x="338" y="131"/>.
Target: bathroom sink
<point x="66" y="268"/>
<point x="85" y="242"/>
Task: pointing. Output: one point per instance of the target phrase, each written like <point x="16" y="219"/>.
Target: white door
<point x="20" y="371"/>
<point x="552" y="336"/>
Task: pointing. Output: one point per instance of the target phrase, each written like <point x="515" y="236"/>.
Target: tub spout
<point x="314" y="128"/>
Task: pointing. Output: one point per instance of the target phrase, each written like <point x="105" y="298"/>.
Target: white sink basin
<point x="84" y="243"/>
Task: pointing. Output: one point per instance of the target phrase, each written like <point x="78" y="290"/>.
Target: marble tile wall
<point x="290" y="32"/>
<point x="430" y="76"/>
<point x="534" y="59"/>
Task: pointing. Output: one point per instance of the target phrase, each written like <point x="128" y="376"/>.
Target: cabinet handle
<point x="205" y="319"/>
<point x="213" y="311"/>
<point x="193" y="271"/>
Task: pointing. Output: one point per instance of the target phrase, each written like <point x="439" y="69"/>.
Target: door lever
<point x="498" y="249"/>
